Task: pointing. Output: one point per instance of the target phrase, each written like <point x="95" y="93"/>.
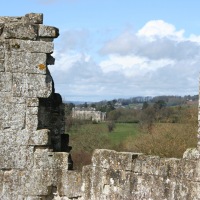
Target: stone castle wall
<point x="34" y="150"/>
<point x="35" y="163"/>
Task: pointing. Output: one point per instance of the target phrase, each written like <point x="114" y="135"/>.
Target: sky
<point x="110" y="49"/>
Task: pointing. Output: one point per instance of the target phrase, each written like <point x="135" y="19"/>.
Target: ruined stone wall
<point x="33" y="146"/>
<point x="34" y="153"/>
<point x="114" y="175"/>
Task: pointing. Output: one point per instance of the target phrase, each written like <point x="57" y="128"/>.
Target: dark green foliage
<point x="68" y="108"/>
<point x="111" y="126"/>
<point x="159" y="104"/>
<point x="166" y="139"/>
<point x="123" y="115"/>
<point x="145" y="105"/>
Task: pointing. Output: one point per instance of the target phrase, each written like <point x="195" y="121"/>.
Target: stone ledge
<point x="113" y="159"/>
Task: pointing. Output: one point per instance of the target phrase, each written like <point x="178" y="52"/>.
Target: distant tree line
<point x="153" y="109"/>
<point x="169" y="99"/>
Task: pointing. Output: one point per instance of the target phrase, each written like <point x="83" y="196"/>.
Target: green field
<point x="90" y="132"/>
<point x="122" y="131"/>
<point x="85" y="138"/>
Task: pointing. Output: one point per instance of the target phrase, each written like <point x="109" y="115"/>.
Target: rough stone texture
<point x="48" y="31"/>
<point x="115" y="175"/>
<point x="34" y="150"/>
<point x="34" y="154"/>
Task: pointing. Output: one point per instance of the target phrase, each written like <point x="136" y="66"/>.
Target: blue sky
<point x="120" y="48"/>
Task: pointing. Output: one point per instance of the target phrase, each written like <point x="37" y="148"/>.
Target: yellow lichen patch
<point x="42" y="66"/>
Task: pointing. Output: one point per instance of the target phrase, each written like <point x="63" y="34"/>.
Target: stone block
<point x="29" y="46"/>
<point x="112" y="159"/>
<point x="5" y="94"/>
<point x="44" y="158"/>
<point x="12" y="115"/>
<point x="102" y="183"/>
<point x="24" y="157"/>
<point x="11" y="184"/>
<point x="39" y="137"/>
<point x="30" y="138"/>
<point x="8" y="137"/>
<point x="15" y="117"/>
<point x="31" y="122"/>
<point x="16" y="157"/>
<point x="86" y="181"/>
<point x="70" y="184"/>
<point x="4" y="20"/>
<point x="46" y="39"/>
<point x="189" y="190"/>
<point x="33" y="198"/>
<point x="37" y="182"/>
<point x="2" y="50"/>
<point x="32" y="85"/>
<point x="20" y="30"/>
<point x="34" y="63"/>
<point x="1" y="138"/>
<point x="24" y="137"/>
<point x="182" y="189"/>
<point x="189" y="170"/>
<point x="116" y="184"/>
<point x="1" y="181"/>
<point x="35" y="18"/>
<point x="144" y="186"/>
<point x="61" y="160"/>
<point x="32" y="102"/>
<point x="32" y="110"/>
<point x="165" y="167"/>
<point x="170" y="167"/>
<point x="2" y="68"/>
<point x="13" y="100"/>
<point x="1" y="27"/>
<point x="5" y="82"/>
<point x="146" y="164"/>
<point x="48" y="31"/>
<point x="192" y="153"/>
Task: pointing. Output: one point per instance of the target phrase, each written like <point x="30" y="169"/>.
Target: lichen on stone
<point x="41" y="66"/>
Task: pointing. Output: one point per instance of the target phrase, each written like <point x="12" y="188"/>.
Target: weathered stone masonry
<point x="34" y="151"/>
<point x="33" y="146"/>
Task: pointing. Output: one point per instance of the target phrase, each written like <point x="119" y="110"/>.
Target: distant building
<point x="88" y="114"/>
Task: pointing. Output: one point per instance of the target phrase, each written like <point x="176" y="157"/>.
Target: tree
<point x="85" y="105"/>
<point x="68" y="108"/>
<point x="111" y="126"/>
<point x="159" y="104"/>
<point x="93" y="105"/>
<point x="145" y="105"/>
<point x="114" y="115"/>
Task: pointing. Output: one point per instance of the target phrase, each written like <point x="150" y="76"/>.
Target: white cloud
<point x="160" y="29"/>
<point x="156" y="60"/>
<point x="194" y="38"/>
<point x="132" y="65"/>
<point x="124" y="44"/>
